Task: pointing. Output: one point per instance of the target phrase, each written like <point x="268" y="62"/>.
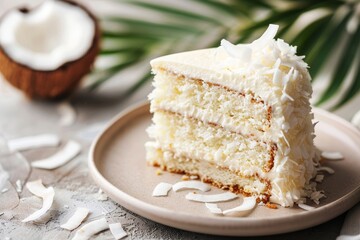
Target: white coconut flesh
<point x="48" y="36"/>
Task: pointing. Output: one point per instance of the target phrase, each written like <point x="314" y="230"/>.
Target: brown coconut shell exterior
<point x="50" y="84"/>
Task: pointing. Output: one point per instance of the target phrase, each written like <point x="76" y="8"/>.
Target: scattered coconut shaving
<point x="31" y="142"/>
<point x="194" y="177"/>
<point x="161" y="189"/>
<point x="191" y="185"/>
<point x="247" y="205"/>
<point x="4" y="190"/>
<point x="47" y="195"/>
<point x="101" y="196"/>
<point x="222" y="197"/>
<point x="70" y="151"/>
<point x="305" y="207"/>
<point x="18" y="186"/>
<point x="319" y="178"/>
<point x="76" y="219"/>
<point x="326" y="169"/>
<point x="90" y="229"/>
<point x="117" y="231"/>
<point x="332" y="155"/>
<point x="213" y="208"/>
<point x="67" y="114"/>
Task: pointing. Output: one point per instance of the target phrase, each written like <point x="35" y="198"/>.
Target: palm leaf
<point x="185" y="28"/>
<point x="343" y="67"/>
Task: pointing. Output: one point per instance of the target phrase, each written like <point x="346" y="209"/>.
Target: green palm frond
<point x="192" y="24"/>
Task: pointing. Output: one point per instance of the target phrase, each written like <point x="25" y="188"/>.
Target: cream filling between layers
<point x="195" y="139"/>
<point x="221" y="177"/>
<point x="237" y="112"/>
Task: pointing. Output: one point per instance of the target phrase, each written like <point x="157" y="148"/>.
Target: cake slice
<point x="238" y="116"/>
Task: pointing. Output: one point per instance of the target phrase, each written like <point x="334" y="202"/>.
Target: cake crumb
<point x="271" y="205"/>
<point x="159" y="172"/>
<point x="185" y="178"/>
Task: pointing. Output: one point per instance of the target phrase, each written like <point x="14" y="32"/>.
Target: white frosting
<point x="273" y="72"/>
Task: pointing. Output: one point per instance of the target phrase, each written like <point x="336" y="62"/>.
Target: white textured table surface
<point x="73" y="186"/>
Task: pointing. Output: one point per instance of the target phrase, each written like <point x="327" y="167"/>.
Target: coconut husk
<point x="50" y="84"/>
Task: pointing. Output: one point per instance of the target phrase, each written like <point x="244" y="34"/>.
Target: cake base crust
<point x="211" y="173"/>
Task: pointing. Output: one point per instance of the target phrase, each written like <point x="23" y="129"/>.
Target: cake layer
<point x="195" y="139"/>
<point x="237" y="112"/>
<point x="221" y="177"/>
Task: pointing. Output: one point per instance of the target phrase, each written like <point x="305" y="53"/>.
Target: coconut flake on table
<point x="213" y="208"/>
<point x="161" y="189"/>
<point x="332" y="155"/>
<point x="67" y="114"/>
<point x="222" y="197"/>
<point x="101" y="196"/>
<point x="32" y="142"/>
<point x="76" y="219"/>
<point x="117" y="231"/>
<point x="319" y="178"/>
<point x="246" y="206"/>
<point x="4" y="176"/>
<point x="191" y="185"/>
<point x="90" y="229"/>
<point x="70" y="151"/>
<point x="47" y="195"/>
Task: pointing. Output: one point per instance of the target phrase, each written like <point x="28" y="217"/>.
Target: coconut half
<point x="47" y="50"/>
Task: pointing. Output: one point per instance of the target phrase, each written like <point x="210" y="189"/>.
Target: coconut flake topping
<point x="332" y="155"/>
<point x="71" y="150"/>
<point x="247" y="205"/>
<point x="191" y="185"/>
<point x="161" y="189"/>
<point x="222" y="197"/>
<point x="213" y="208"/>
<point x="47" y="195"/>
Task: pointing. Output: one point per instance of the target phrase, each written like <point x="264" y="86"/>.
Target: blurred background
<point x="133" y="32"/>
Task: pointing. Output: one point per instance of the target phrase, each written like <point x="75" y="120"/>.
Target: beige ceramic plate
<point x="117" y="164"/>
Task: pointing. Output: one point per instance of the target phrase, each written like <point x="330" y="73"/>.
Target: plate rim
<point x="176" y="219"/>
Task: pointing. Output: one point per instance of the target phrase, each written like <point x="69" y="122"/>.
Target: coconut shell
<point x="50" y="84"/>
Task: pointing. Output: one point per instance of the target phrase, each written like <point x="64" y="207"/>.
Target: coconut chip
<point x="31" y="142"/>
<point x="47" y="195"/>
<point x="71" y="150"/>
<point x="247" y="205"/>
<point x="191" y="185"/>
<point x="213" y="208"/>
<point x="161" y="189"/>
<point x="76" y="219"/>
<point x="67" y="114"/>
<point x="117" y="230"/>
<point x="319" y="178"/>
<point x="222" y="197"/>
<point x="332" y="155"/>
<point x="305" y="207"/>
<point x="90" y="229"/>
<point x="18" y="186"/>
<point x="4" y="190"/>
<point x="326" y="169"/>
